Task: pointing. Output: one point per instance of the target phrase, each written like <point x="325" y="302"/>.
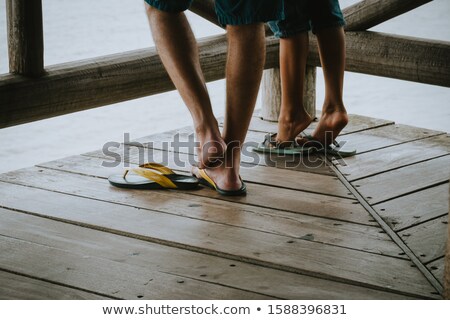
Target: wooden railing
<point x="31" y="92"/>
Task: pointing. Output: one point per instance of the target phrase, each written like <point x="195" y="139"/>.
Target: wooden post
<point x="271" y="93"/>
<point x="447" y="264"/>
<point x="25" y="37"/>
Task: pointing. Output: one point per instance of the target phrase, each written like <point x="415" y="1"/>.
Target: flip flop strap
<point x="160" y="179"/>
<point x="207" y="178"/>
<point x="157" y="167"/>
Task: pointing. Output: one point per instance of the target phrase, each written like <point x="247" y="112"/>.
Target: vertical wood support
<point x="25" y="37"/>
<point x="271" y="93"/>
<point x="447" y="264"/>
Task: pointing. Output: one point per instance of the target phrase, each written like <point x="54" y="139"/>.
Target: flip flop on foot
<point x="153" y="176"/>
<point x="334" y="149"/>
<point x="206" y="180"/>
<point x="270" y="145"/>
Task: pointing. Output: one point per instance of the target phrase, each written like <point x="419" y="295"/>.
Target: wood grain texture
<point x="385" y="136"/>
<point x="271" y="93"/>
<point x="427" y="240"/>
<point x="369" y="13"/>
<point x="415" y="208"/>
<point x="17" y="287"/>
<point x="268" y="250"/>
<point x="437" y="268"/>
<point x="25" y="37"/>
<point x="106" y="80"/>
<point x="184" y="142"/>
<point x="269" y="220"/>
<point x="272" y="176"/>
<point x="396" y="156"/>
<point x="185" y="264"/>
<point x="259" y="196"/>
<point x="399" y="182"/>
<point x="356" y="123"/>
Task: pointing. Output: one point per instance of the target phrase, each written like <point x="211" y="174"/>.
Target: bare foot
<point x="212" y="147"/>
<point x="225" y="178"/>
<point x="331" y="123"/>
<point x="290" y="126"/>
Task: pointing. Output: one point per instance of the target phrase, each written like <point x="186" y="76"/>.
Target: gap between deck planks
<point x="265" y="249"/>
<point x="185" y="269"/>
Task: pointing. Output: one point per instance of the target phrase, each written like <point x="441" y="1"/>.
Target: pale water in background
<point x="82" y="29"/>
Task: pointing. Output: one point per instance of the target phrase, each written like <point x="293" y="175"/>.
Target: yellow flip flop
<point x="153" y="176"/>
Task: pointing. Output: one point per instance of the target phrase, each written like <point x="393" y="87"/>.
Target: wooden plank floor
<point x="370" y="227"/>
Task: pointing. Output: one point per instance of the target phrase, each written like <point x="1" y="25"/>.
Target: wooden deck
<point x="373" y="227"/>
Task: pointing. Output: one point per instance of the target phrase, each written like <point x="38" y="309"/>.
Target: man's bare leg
<point x="178" y="50"/>
<point x="332" y="55"/>
<point x="293" y="117"/>
<point x="246" y="58"/>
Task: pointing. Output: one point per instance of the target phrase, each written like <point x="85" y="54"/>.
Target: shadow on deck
<point x="372" y="228"/>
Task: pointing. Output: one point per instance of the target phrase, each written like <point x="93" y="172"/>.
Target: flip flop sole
<point x="137" y="182"/>
<point x="228" y="193"/>
<point x="282" y="151"/>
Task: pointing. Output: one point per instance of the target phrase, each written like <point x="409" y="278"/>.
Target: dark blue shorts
<point x="305" y="15"/>
<point x="232" y="12"/>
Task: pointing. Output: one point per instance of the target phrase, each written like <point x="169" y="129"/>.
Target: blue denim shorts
<point x="231" y="12"/>
<point x="305" y="15"/>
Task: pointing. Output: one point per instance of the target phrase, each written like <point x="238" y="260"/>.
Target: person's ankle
<point x="332" y="107"/>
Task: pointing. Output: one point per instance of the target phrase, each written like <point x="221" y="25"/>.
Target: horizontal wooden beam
<point x="397" y="57"/>
<point x="369" y="13"/>
<point x="101" y="81"/>
<point x="92" y="83"/>
<point x="25" y="37"/>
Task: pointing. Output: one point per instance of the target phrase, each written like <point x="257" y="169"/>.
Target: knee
<point x="246" y="31"/>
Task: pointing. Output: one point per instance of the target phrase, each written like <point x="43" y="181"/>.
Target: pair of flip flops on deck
<point x="270" y="145"/>
<point x="154" y="176"/>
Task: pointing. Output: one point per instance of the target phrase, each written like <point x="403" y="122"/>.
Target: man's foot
<point x="212" y="147"/>
<point x="289" y="127"/>
<point x="332" y="122"/>
<point x="226" y="179"/>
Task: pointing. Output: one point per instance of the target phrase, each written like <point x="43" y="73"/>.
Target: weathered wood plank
<point x="399" y="182"/>
<point x="182" y="263"/>
<point x="272" y="176"/>
<point x="393" y="157"/>
<point x="17" y="287"/>
<point x="415" y="208"/>
<point x="427" y="240"/>
<point x="437" y="268"/>
<point x="386" y="136"/>
<point x="284" y="253"/>
<point x="112" y="278"/>
<point x="356" y="123"/>
<point x="316" y="229"/>
<point x="369" y="13"/>
<point x="259" y="197"/>
<point x="308" y="163"/>
<point x="25" y="37"/>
